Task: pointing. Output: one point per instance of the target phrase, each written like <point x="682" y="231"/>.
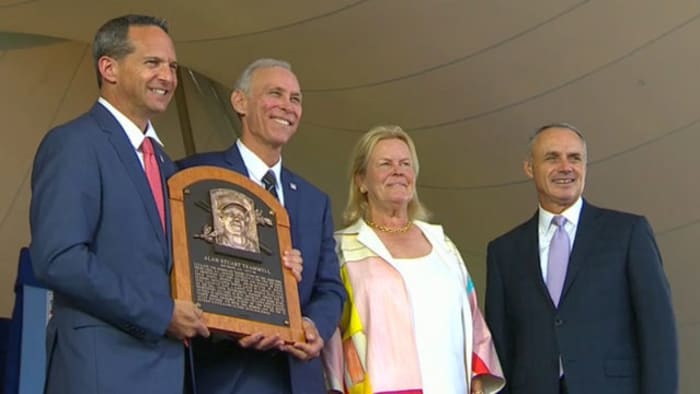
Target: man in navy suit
<point x="268" y="101"/>
<point x="609" y="328"/>
<point x="100" y="229"/>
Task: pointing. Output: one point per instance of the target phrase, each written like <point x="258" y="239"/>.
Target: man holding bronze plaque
<point x="100" y="229"/>
<point x="267" y="99"/>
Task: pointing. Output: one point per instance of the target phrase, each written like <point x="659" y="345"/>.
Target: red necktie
<point x="150" y="165"/>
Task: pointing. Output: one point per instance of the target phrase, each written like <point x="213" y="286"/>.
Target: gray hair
<point x="243" y="82"/>
<point x="112" y="38"/>
<point x="555" y="125"/>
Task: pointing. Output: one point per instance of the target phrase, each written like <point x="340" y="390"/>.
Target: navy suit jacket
<point x="614" y="327"/>
<point x="98" y="243"/>
<point x="224" y="367"/>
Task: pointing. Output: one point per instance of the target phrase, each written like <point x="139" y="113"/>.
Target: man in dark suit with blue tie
<point x="100" y="228"/>
<point x="268" y="101"/>
<point x="576" y="298"/>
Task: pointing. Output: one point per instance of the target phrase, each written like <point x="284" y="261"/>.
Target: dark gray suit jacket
<point x="614" y="328"/>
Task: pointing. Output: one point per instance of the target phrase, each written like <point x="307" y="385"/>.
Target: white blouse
<point x="436" y="296"/>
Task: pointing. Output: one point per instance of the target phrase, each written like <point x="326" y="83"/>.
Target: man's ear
<point x="239" y="102"/>
<point x="527" y="168"/>
<point x="109" y="69"/>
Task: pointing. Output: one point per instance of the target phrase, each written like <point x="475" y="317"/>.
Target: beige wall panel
<point x="35" y="83"/>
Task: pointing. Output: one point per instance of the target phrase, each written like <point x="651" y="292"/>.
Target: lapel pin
<point x="292" y="186"/>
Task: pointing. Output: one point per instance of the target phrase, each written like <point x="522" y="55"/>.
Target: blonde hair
<point x="356" y="207"/>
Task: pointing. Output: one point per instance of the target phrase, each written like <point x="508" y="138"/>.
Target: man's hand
<point x="258" y="341"/>
<point x="293" y="261"/>
<point x="314" y="343"/>
<point x="187" y="321"/>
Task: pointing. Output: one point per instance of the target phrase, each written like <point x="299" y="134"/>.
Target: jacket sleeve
<point x="653" y="310"/>
<point x="485" y="363"/>
<point x="333" y="353"/>
<point x="496" y="309"/>
<point x="328" y="294"/>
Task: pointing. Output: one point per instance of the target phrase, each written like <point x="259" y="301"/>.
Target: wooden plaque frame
<point x="182" y="276"/>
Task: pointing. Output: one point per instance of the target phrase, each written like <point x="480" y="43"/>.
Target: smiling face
<point x="558" y="167"/>
<point x="142" y="83"/>
<point x="271" y="111"/>
<point x="235" y="219"/>
<point x="389" y="179"/>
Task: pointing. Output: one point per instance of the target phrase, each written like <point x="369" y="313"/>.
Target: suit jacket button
<point x="558" y="322"/>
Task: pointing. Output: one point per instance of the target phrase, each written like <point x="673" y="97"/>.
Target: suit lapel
<point x="586" y="231"/>
<point x="234" y="161"/>
<point x="121" y="144"/>
<point x="530" y="250"/>
<point x="160" y="155"/>
<point x="291" y="201"/>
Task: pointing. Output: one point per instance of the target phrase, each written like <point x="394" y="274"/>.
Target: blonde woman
<point x="411" y="323"/>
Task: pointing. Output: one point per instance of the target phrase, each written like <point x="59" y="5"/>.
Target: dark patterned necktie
<point x="270" y="183"/>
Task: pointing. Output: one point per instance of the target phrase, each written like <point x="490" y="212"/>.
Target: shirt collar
<point x="571" y="214"/>
<point x="135" y="135"/>
<point x="257" y="168"/>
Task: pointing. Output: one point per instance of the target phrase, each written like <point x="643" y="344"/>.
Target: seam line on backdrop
<point x="27" y="174"/>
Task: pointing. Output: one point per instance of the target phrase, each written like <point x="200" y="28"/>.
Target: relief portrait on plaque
<point x="234" y="221"/>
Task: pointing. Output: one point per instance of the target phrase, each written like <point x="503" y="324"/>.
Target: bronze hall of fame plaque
<point x="228" y="235"/>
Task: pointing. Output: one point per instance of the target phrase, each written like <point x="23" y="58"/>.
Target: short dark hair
<point x="112" y="38"/>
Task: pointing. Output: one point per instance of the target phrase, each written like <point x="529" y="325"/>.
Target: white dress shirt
<point x="135" y="135"/>
<point x="547" y="230"/>
<point x="257" y="168"/>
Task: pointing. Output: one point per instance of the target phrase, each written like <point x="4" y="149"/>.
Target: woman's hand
<point x="477" y="386"/>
